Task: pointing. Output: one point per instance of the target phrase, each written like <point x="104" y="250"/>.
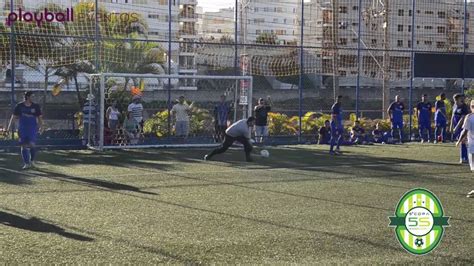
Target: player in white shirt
<point x="468" y="133"/>
<point x="182" y="111"/>
<point x="136" y="110"/>
<point x="239" y="131"/>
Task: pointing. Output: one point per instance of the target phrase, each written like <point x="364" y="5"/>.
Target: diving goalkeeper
<point x="239" y="131"/>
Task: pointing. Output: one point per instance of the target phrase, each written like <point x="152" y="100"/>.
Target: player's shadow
<point x="89" y="182"/>
<point x="36" y="225"/>
<point x="13" y="178"/>
<point x="136" y="159"/>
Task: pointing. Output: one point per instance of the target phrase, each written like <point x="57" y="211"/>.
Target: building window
<point x="343" y="41"/>
<point x="399" y="74"/>
<point x="275" y="20"/>
<point x="399" y="43"/>
<point x="409" y="28"/>
<point x="441" y="14"/>
<point x="374" y="41"/>
<point x="355" y="8"/>
<point x="400" y="27"/>
<point x="429" y="12"/>
<point x="342" y="73"/>
<point x="354" y="40"/>
<point x="440" y="44"/>
<point x="409" y="13"/>
<point x="401" y="12"/>
<point x="441" y="30"/>
<point x="409" y="43"/>
<point x="343" y="9"/>
<point x="255" y="9"/>
<point x="428" y="43"/>
<point x="428" y="27"/>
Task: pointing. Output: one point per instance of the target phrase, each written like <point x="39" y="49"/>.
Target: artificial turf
<point x="301" y="205"/>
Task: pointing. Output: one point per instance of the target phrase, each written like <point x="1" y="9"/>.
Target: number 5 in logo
<point x="419" y="221"/>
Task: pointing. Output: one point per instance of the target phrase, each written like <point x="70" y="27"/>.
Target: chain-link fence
<point x="300" y="53"/>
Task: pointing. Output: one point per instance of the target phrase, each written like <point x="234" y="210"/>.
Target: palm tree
<point x="133" y="57"/>
<point x="39" y="47"/>
<point x="71" y="72"/>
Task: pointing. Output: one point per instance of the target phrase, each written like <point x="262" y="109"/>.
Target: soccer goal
<point x="126" y="111"/>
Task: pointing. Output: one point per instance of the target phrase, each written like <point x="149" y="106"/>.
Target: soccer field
<point x="168" y="206"/>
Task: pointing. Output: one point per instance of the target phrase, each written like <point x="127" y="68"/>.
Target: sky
<point x="215" y="5"/>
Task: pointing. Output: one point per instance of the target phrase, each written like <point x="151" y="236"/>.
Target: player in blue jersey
<point x="460" y="111"/>
<point x="423" y="113"/>
<point x="395" y="112"/>
<point x="337" y="129"/>
<point x="440" y="119"/>
<point x="30" y="119"/>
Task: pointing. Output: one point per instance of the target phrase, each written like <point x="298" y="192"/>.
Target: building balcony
<point x="188" y="2"/>
<point x="187" y="71"/>
<point x="187" y="19"/>
<point x="187" y="53"/>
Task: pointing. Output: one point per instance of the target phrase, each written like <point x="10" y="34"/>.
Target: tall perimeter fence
<point x="301" y="55"/>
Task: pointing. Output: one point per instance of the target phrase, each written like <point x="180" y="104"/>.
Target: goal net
<point x="125" y="111"/>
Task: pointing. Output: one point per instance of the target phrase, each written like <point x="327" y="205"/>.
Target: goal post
<point x="118" y="101"/>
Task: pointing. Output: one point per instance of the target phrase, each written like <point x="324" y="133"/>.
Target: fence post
<point x="300" y="83"/>
<point x="168" y="103"/>
<point x="236" y="57"/>
<point x="464" y="47"/>
<point x="13" y="67"/>
<point x="358" y="59"/>
<point x="410" y="101"/>
<point x="97" y="36"/>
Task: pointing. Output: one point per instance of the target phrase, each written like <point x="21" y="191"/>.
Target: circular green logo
<point x="419" y="221"/>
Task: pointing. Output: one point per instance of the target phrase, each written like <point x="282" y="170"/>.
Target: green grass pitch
<point x="168" y="206"/>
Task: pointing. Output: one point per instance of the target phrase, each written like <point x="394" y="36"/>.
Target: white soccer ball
<point x="265" y="153"/>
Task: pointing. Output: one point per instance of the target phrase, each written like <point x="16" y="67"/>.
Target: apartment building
<point x="438" y="27"/>
<point x="156" y="13"/>
<point x="218" y="24"/>
<point x="276" y="17"/>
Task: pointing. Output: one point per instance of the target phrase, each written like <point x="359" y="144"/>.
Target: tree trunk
<point x="126" y="83"/>
<point x="79" y="99"/>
